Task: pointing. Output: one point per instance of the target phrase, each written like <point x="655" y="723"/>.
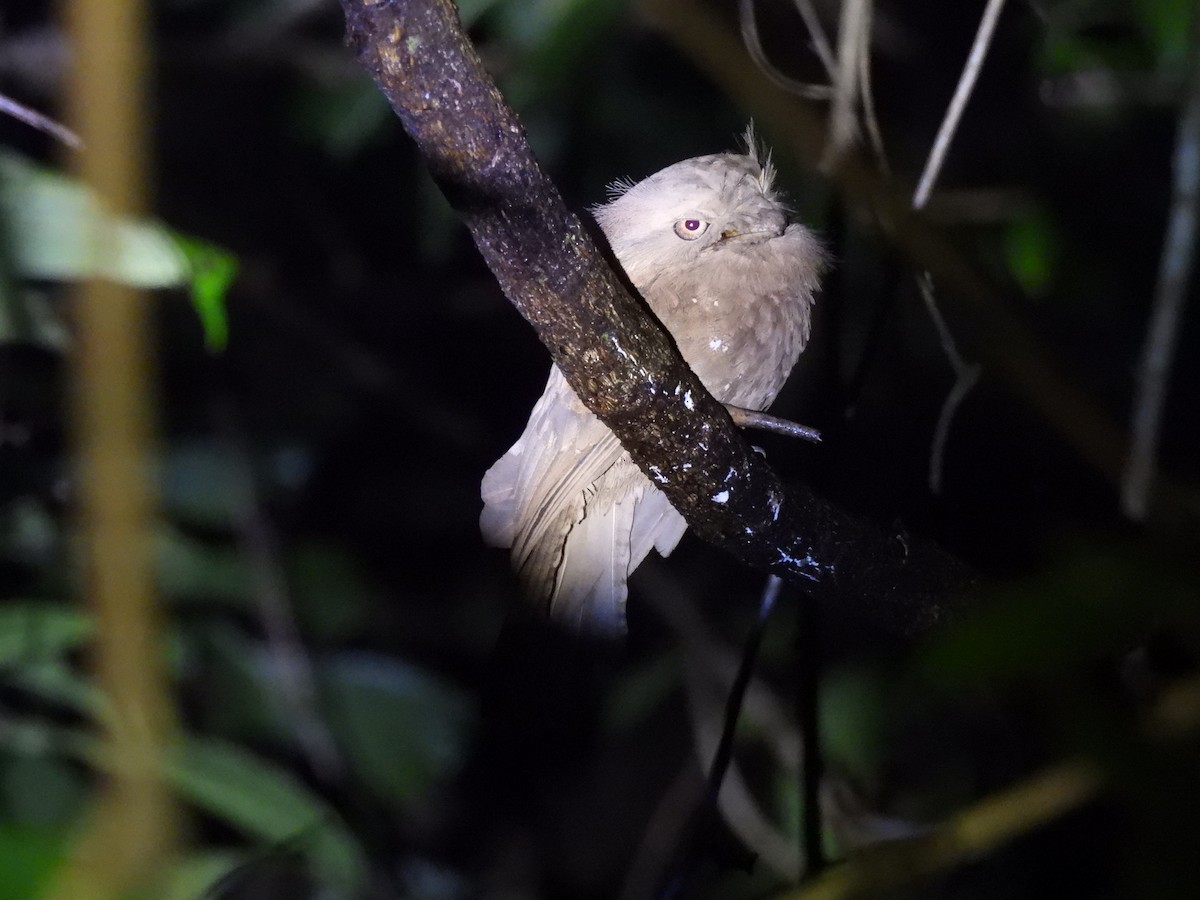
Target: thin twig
<point x="713" y="667"/>
<point x="965" y="376"/>
<point x="749" y="25"/>
<point x="290" y="664"/>
<point x="962" y="93"/>
<point x="737" y="693"/>
<point x="867" y="96"/>
<point x="1174" y="277"/>
<point x="816" y="31"/>
<point x="842" y="118"/>
<point x="963" y="383"/>
<point x="723" y="756"/>
<point x="40" y="121"/>
<point x="753" y="418"/>
<point x="1006" y="342"/>
<point x="925" y="283"/>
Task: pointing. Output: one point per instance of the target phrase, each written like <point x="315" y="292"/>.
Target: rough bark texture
<point x="617" y="359"/>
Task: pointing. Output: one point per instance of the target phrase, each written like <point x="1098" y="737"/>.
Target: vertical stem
<point x="129" y="829"/>
<point x="808" y="683"/>
<point x="1174" y="279"/>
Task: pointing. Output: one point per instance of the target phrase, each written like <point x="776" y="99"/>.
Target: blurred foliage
<point x="51" y="219"/>
<point x="363" y="714"/>
<point x="270" y="808"/>
<point x="1030" y="244"/>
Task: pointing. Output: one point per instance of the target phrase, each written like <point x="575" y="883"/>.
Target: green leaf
<point x="558" y="36"/>
<point x="330" y="597"/>
<point x="244" y="700"/>
<point x="24" y="736"/>
<point x="28" y="858"/>
<point x="31" y="632"/>
<point x="401" y="727"/>
<point x="211" y="271"/>
<point x="41" y="790"/>
<point x="1096" y="600"/>
<point x="267" y="804"/>
<point x="191" y="570"/>
<point x="199" y="875"/>
<point x="57" y="232"/>
<point x="344" y="117"/>
<point x="35" y="639"/>
<point x="852" y="712"/>
<point x="56" y="681"/>
<point x="1030" y="248"/>
<point x="1167" y="25"/>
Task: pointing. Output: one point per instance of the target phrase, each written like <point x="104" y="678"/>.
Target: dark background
<point x="374" y="371"/>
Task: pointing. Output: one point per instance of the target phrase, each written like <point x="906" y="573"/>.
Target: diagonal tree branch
<point x="616" y="357"/>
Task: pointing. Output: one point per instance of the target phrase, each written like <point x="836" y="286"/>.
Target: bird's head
<point x="689" y="212"/>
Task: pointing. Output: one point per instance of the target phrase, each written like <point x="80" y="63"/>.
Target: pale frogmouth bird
<point x="708" y="244"/>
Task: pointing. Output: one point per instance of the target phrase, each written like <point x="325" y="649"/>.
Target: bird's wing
<point x="577" y="512"/>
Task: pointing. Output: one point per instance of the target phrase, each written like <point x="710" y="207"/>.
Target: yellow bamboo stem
<point x="128" y="834"/>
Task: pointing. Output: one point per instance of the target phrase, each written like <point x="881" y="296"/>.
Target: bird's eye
<point x="690" y="229"/>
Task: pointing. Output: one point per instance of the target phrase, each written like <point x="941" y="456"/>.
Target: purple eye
<point x="690" y="229"/>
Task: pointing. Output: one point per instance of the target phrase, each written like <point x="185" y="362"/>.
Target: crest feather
<point x="615" y="189"/>
<point x="758" y="151"/>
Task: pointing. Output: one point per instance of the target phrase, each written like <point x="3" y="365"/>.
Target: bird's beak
<point x="761" y="234"/>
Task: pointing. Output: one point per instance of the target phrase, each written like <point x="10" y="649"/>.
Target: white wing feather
<point x="577" y="512"/>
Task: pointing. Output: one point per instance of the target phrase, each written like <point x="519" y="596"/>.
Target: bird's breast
<point x="737" y="322"/>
